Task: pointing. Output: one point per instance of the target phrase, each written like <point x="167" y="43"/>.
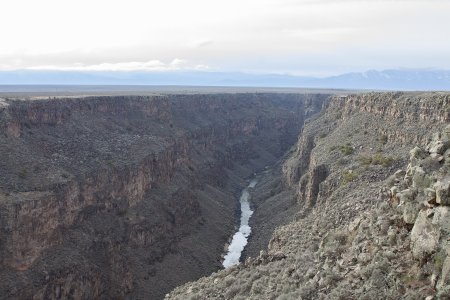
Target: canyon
<point x="357" y="209"/>
<point x="130" y="196"/>
<point x="138" y="197"/>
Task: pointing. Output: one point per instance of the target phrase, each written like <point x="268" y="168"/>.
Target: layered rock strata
<point x="110" y="197"/>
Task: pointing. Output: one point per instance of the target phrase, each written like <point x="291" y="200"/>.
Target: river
<point x="240" y="238"/>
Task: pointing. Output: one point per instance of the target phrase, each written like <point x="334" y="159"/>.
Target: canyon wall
<point x="110" y="197"/>
<point x="346" y="228"/>
<point x="364" y="124"/>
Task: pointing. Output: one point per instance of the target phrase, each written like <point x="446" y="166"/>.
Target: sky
<point x="298" y="37"/>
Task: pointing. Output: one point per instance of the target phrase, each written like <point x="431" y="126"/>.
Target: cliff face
<point x="366" y="124"/>
<point x="364" y="225"/>
<point x="105" y="197"/>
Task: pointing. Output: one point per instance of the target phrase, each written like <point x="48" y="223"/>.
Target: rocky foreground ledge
<point x="372" y="218"/>
<point x="422" y="195"/>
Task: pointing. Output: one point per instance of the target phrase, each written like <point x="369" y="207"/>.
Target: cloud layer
<point x="152" y="65"/>
<point x="277" y="36"/>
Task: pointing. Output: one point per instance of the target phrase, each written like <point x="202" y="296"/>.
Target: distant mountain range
<point x="398" y="79"/>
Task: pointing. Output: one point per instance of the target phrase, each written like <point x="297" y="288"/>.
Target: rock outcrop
<point x="422" y="200"/>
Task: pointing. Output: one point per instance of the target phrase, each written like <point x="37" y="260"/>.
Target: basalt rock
<point x="111" y="197"/>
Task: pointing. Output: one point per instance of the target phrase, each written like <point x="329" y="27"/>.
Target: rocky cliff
<point x="111" y="197"/>
<point x="360" y="217"/>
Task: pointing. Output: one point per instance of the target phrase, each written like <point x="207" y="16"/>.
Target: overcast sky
<point x="302" y="37"/>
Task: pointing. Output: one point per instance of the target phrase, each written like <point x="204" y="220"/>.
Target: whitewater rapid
<point x="240" y="237"/>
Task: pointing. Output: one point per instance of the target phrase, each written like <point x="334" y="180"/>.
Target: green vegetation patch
<point x="439" y="259"/>
<point x="348" y="176"/>
<point x="346" y="149"/>
<point x="377" y="159"/>
<point x="23" y="173"/>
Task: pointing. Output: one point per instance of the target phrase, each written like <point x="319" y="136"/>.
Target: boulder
<point x="446" y="153"/>
<point x="442" y="192"/>
<point x="447" y="132"/>
<point x="436" y="136"/>
<point x="417" y="153"/>
<point x="410" y="211"/>
<point x="437" y="147"/>
<point x="430" y="195"/>
<point x="441" y="218"/>
<point x="354" y="224"/>
<point x="419" y="178"/>
<point x="411" y="171"/>
<point x="424" y="236"/>
<point x="407" y="195"/>
<point x="444" y="279"/>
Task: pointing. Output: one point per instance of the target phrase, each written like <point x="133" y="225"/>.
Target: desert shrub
<point x="229" y="281"/>
<point x="245" y="288"/>
<point x="447" y="108"/>
<point x="23" y="173"/>
<point x="290" y="296"/>
<point x="438" y="260"/>
<point x="289" y="288"/>
<point x="365" y="160"/>
<point x="346" y="149"/>
<point x="348" y="176"/>
<point x="444" y="293"/>
<point x="308" y="291"/>
<point x="232" y="291"/>
<point x="342" y="161"/>
<point x="371" y="294"/>
<point x="334" y="244"/>
<point x="122" y="211"/>
<point x="258" y="287"/>
<point x="382" y="138"/>
<point x="254" y="276"/>
<point x="195" y="297"/>
<point x="340" y="293"/>
<point x="340" y="237"/>
<point x="331" y="278"/>
<point x="377" y="159"/>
